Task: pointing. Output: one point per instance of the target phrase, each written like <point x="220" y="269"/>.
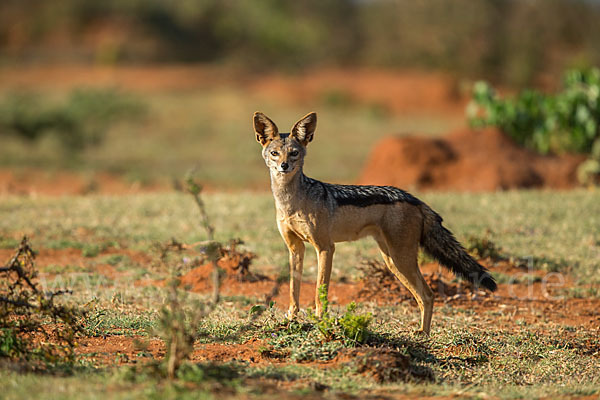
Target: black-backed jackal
<point x="323" y="214"/>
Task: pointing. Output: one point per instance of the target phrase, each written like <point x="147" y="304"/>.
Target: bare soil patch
<point x="120" y="350"/>
<point x="31" y="182"/>
<point x="398" y="92"/>
<point x="466" y="160"/>
<point x="537" y="300"/>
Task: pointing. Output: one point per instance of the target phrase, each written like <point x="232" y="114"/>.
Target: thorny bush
<point x="34" y="328"/>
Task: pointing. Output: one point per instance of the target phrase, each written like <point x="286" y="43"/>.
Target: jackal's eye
<point x="294" y="153"/>
<point x="274" y="153"/>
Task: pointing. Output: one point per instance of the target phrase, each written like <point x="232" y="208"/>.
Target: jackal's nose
<point x="284" y="166"/>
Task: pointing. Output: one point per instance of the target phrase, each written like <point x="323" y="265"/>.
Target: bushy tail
<point x="441" y="244"/>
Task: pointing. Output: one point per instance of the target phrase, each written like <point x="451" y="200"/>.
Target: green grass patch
<point x="103" y="322"/>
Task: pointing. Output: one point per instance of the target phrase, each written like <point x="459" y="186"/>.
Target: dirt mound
<point x="386" y="365"/>
<point x="466" y="160"/>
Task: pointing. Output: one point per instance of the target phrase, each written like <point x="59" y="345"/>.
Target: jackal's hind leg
<point x="402" y="262"/>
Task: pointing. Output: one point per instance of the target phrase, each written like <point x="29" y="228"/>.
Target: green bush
<point x="350" y="327"/>
<point x="567" y="121"/>
<point x="355" y="326"/>
<point x="80" y="121"/>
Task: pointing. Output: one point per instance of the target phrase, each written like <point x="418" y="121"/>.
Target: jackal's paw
<point x="421" y="332"/>
<point x="318" y="311"/>
<point x="291" y="313"/>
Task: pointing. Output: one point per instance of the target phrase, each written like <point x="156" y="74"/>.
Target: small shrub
<point x="91" y="250"/>
<point x="350" y="327"/>
<point x="300" y="341"/>
<point x="115" y="259"/>
<point x="316" y="338"/>
<point x="177" y="326"/>
<point x="33" y="326"/>
<point x="568" y="121"/>
<point x="81" y="121"/>
<point x="355" y="326"/>
<point x="483" y="248"/>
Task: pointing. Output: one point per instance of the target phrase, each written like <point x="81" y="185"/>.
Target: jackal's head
<point x="284" y="152"/>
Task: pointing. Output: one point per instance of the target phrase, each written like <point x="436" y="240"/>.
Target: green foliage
<point x="91" y="250"/>
<point x="300" y="341"/>
<point x="11" y="346"/>
<point x="350" y="327"/>
<point x="8" y="242"/>
<point x="588" y="172"/>
<point x="80" y="121"/>
<point x="109" y="321"/>
<point x="355" y="326"/>
<point x="567" y="121"/>
<point x="115" y="259"/>
<point x="319" y="338"/>
<point x="326" y="322"/>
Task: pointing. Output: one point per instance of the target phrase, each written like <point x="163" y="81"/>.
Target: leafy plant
<point x="567" y="121"/>
<point x="355" y="326"/>
<point x="350" y="327"/>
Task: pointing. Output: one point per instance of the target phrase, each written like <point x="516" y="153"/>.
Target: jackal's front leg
<point x="325" y="256"/>
<point x="296" y="249"/>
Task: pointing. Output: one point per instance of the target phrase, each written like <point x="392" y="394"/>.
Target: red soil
<point x="199" y="280"/>
<point x="466" y="160"/>
<point x="530" y="302"/>
<point x="396" y="91"/>
<point x="32" y="181"/>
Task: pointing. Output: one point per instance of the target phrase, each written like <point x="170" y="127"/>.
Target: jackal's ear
<point x="304" y="129"/>
<point x="266" y="130"/>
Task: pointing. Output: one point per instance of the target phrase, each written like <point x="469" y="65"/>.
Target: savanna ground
<point x="538" y="336"/>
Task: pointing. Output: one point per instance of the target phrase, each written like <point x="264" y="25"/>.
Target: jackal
<point x="323" y="214"/>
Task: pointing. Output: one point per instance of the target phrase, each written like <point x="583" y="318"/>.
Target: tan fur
<point x="302" y="217"/>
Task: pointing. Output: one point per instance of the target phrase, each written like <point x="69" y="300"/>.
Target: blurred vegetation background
<point x="147" y="89"/>
<point x="513" y="42"/>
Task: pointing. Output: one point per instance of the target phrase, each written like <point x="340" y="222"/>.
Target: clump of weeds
<point x="180" y="317"/>
<point x="316" y="338"/>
